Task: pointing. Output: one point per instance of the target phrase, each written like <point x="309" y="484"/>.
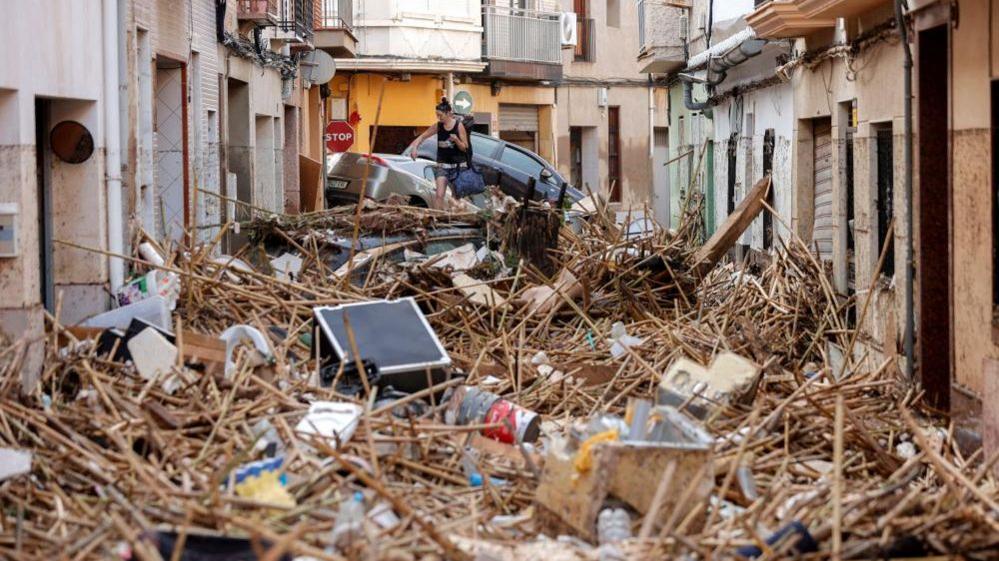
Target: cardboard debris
<point x="333" y="421"/>
<point x="729" y="379"/>
<point x="546" y="299"/>
<point x="458" y="259"/>
<point x="152" y="354"/>
<point x="477" y="291"/>
<point x="627" y="472"/>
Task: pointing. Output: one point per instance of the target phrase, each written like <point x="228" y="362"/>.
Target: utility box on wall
<point x="8" y="230"/>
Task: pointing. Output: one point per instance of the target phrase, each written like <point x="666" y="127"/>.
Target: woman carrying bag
<point x="454" y="156"/>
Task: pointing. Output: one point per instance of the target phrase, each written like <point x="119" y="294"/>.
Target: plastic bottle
<point x="613" y="525"/>
<point x="744" y="474"/>
<point x="268" y="439"/>
<point x="349" y="527"/>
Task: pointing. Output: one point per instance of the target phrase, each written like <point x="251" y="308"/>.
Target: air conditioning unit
<point x="567" y="29"/>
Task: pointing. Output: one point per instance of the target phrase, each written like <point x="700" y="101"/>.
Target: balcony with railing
<point x="334" y="27"/>
<point x="521" y="44"/>
<point x="259" y="12"/>
<point x="662" y="29"/>
<point x="782" y="19"/>
<point x="294" y="23"/>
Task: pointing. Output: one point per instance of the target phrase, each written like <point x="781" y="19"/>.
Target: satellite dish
<point x="318" y="67"/>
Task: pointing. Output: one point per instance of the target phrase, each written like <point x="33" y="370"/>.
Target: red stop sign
<point x="339" y="136"/>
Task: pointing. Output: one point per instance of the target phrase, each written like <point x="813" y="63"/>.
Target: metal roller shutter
<point x="518" y="118"/>
<point x="822" y="230"/>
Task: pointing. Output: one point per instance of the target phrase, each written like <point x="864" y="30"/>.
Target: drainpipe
<point x="711" y="23"/>
<point x="910" y="322"/>
<point x="652" y="117"/>
<point x="688" y="99"/>
<point x="112" y="142"/>
<point x="688" y="89"/>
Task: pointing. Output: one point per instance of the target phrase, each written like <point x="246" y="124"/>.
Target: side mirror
<point x="546" y="174"/>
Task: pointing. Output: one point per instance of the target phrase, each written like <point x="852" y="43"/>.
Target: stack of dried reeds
<point x="115" y="457"/>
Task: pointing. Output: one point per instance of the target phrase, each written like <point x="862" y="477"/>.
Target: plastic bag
<point x="469" y="182"/>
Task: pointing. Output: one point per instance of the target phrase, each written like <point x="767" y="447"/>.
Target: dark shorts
<point x="450" y="173"/>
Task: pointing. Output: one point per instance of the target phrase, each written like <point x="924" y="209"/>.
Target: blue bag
<point x="469" y="182"/>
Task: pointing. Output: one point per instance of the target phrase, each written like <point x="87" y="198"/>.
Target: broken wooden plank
<point x="728" y="233"/>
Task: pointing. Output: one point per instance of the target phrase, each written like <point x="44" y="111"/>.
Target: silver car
<point x="388" y="174"/>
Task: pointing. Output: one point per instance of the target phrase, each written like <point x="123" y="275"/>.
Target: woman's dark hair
<point x="444" y="106"/>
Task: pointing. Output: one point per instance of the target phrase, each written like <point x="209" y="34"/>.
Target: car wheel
<point x="418" y="202"/>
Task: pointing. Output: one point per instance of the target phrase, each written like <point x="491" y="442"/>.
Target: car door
<point x="517" y="167"/>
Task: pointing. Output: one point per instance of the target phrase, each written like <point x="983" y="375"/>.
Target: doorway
<point x="519" y="124"/>
<point x="239" y="151"/>
<point x="733" y="145"/>
<point x="851" y="242"/>
<point x="43" y="166"/>
<point x="267" y="192"/>
<point x="171" y="141"/>
<point x="768" y="168"/>
<point x="822" y="228"/>
<point x="576" y="155"/>
<point x="885" y="150"/>
<point x="933" y="338"/>
<point x="614" y="153"/>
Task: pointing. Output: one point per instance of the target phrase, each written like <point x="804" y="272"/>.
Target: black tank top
<point x="447" y="151"/>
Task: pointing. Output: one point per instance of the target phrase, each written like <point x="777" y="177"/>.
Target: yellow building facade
<point x="407" y="108"/>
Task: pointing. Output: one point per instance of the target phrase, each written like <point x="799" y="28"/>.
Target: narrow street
<point x="492" y="281"/>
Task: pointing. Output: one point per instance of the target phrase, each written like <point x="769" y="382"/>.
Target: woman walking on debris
<point x="452" y="148"/>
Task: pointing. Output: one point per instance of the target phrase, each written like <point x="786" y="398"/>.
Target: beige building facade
<point x="121" y="115"/>
<point x="607" y="110"/>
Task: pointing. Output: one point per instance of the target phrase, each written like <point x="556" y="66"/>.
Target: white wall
<point x="771" y="108"/>
<point x="420" y="29"/>
<point x="51" y="48"/>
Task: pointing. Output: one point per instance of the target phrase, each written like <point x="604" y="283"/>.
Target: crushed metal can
<point x="470" y="405"/>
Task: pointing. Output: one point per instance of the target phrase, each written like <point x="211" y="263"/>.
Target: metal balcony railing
<point x="334" y="14"/>
<point x="257" y="9"/>
<point x="521" y="35"/>
<point x="295" y="16"/>
<point x="586" y="40"/>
